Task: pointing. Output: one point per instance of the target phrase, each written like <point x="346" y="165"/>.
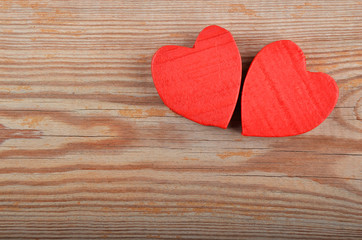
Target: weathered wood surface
<point x="88" y="150"/>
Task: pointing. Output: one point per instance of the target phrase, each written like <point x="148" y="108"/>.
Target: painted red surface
<point x="200" y="83"/>
<point x="280" y="98"/>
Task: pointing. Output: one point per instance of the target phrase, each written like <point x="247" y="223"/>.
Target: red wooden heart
<point x="200" y="83"/>
<point x="280" y="98"/>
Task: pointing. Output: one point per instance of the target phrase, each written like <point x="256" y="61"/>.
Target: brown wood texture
<point x="88" y="149"/>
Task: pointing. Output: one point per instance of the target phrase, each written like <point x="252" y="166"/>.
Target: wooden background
<point x="88" y="149"/>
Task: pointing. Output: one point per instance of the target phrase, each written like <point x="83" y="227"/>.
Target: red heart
<point x="280" y="98"/>
<point x="200" y="83"/>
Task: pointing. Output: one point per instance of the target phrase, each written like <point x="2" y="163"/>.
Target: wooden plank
<point x="88" y="150"/>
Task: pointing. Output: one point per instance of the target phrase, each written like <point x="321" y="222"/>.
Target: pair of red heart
<point x="279" y="97"/>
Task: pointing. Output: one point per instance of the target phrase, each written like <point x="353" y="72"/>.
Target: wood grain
<point x="88" y="149"/>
